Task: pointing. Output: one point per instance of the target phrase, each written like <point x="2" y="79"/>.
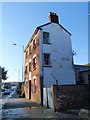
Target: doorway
<point x="29" y="89"/>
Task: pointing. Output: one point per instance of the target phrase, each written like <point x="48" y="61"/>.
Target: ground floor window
<point x="26" y="86"/>
<point x="34" y="86"/>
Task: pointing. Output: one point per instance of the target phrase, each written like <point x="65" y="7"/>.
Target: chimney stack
<point x="53" y="17"/>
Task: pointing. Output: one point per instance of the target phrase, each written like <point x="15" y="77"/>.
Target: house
<point x="82" y="73"/>
<point x="48" y="59"/>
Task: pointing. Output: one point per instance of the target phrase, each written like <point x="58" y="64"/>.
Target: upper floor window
<point x="27" y="54"/>
<point x="29" y="49"/>
<point x="30" y="66"/>
<point x="47" y="59"/>
<point x="46" y="37"/>
<point x="26" y="69"/>
<point x="34" y="63"/>
<point x="34" y="43"/>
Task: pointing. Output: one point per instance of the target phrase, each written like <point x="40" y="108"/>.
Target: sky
<point x="19" y="20"/>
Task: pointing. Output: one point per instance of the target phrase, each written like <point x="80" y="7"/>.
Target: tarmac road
<point x="21" y="108"/>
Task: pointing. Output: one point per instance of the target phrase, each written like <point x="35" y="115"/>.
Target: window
<point x="26" y="70"/>
<point x="29" y="49"/>
<point x="26" y="85"/>
<point x="34" y="86"/>
<point x="27" y="54"/>
<point x="47" y="59"/>
<point x="30" y="66"/>
<point x="34" y="43"/>
<point x="46" y="37"/>
<point x="34" y="63"/>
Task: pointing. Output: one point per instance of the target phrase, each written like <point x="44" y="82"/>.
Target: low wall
<point x="70" y="96"/>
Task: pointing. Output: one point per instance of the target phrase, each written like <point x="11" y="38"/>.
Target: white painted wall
<point x="61" y="56"/>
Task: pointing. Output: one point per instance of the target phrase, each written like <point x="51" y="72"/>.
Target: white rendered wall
<point x="61" y="56"/>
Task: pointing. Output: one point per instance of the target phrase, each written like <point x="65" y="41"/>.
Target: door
<point x="29" y="89"/>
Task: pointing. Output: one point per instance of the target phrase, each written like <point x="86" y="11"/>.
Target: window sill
<point x="34" y="69"/>
<point x="47" y="43"/>
<point x="47" y="66"/>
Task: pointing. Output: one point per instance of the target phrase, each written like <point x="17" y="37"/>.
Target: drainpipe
<point x="41" y="90"/>
<point x="55" y="79"/>
<point x="41" y="67"/>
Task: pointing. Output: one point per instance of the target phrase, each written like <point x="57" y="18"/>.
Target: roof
<point x="82" y="68"/>
<point x="39" y="28"/>
<point x="58" y="24"/>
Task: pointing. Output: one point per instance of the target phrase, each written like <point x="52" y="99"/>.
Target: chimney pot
<point x="53" y="17"/>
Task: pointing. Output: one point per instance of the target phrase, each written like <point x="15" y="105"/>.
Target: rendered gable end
<point x="60" y="49"/>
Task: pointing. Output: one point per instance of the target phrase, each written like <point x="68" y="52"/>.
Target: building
<point x="82" y="73"/>
<point x="48" y="59"/>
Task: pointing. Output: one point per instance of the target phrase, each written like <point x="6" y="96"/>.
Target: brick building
<point x="48" y="59"/>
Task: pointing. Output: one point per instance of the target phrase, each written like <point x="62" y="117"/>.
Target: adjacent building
<point x="48" y="59"/>
<point x="82" y="73"/>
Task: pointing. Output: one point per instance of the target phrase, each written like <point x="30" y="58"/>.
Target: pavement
<point x="21" y="108"/>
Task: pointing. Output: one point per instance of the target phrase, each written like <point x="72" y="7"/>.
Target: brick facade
<point x="71" y="96"/>
<point x="29" y="89"/>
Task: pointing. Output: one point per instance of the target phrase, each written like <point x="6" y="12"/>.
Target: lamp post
<point x="22" y="59"/>
<point x="18" y="74"/>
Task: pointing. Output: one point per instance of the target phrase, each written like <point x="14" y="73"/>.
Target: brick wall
<point x="35" y="96"/>
<point x="29" y="91"/>
<point x="70" y="96"/>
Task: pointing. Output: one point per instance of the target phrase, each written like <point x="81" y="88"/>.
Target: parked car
<point x="7" y="92"/>
<point x="3" y="90"/>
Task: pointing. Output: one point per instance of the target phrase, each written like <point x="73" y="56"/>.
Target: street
<point x="21" y="108"/>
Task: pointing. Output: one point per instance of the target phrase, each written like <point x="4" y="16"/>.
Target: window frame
<point x="26" y="54"/>
<point x="26" y="69"/>
<point x="30" y="67"/>
<point x="34" y="43"/>
<point x="34" y="63"/>
<point x="34" y="85"/>
<point x="45" y="39"/>
<point x="30" y="50"/>
<point x="47" y="61"/>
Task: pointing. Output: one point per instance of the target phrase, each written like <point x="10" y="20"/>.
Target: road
<point x="3" y="100"/>
<point x="21" y="108"/>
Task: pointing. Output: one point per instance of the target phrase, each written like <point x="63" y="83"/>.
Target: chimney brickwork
<point x="53" y="17"/>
